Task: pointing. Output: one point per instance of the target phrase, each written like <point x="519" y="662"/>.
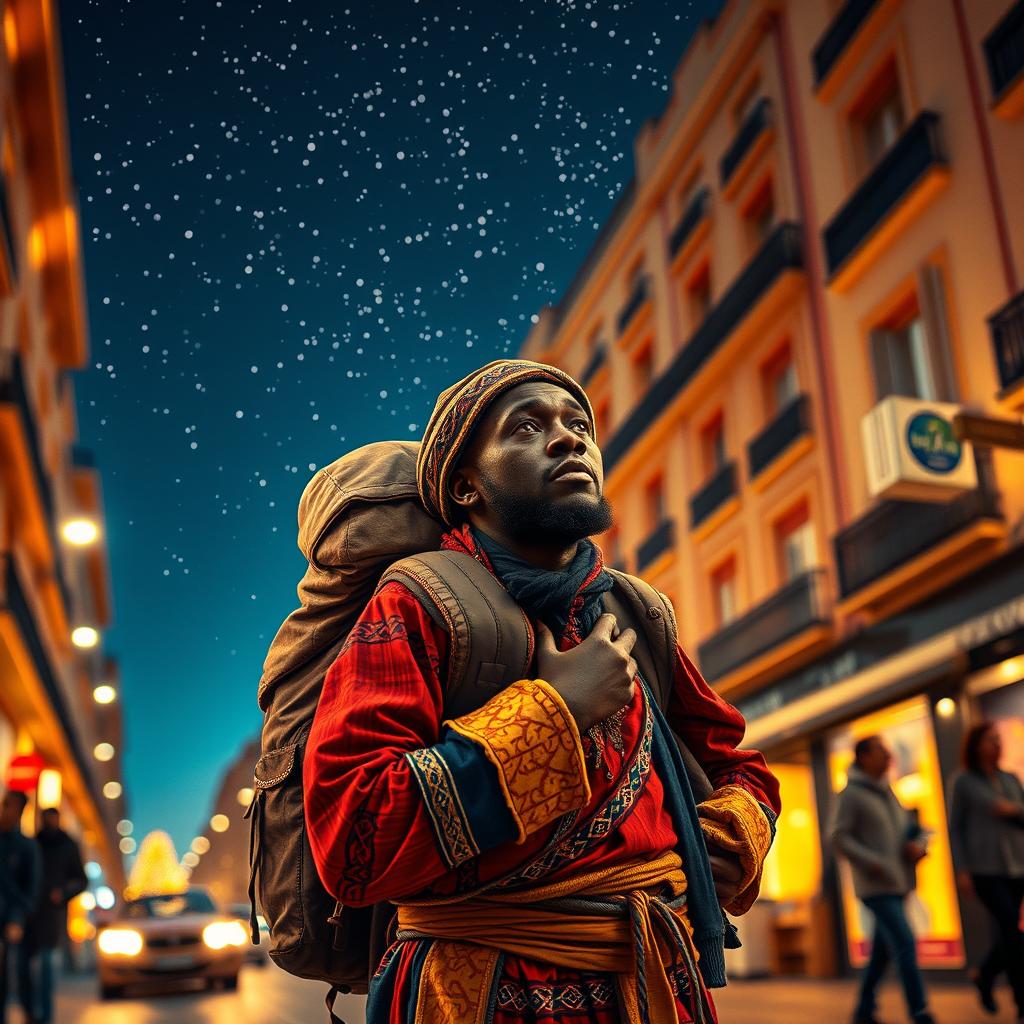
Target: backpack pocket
<point x="277" y="844"/>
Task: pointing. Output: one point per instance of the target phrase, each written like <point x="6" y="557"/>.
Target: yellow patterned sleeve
<point x="530" y="736"/>
<point x="733" y="820"/>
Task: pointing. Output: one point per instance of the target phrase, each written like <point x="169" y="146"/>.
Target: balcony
<point x="1004" y="55"/>
<point x="836" y="39"/>
<point x="694" y="214"/>
<point x="798" y="606"/>
<point x="14" y="404"/>
<point x="661" y="539"/>
<point x="894" y="533"/>
<point x="894" y="192"/>
<point x="597" y="359"/>
<point x="639" y="296"/>
<point x="1007" y="330"/>
<point x="751" y="137"/>
<point x="792" y="423"/>
<point x="781" y="253"/>
<point x="713" y="495"/>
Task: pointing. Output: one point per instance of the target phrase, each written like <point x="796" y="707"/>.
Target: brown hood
<point x="356" y="517"/>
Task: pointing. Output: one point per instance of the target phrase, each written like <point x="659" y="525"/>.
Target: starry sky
<point x="300" y="221"/>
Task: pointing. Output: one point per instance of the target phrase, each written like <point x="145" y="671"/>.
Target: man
<point x="19" y="884"/>
<point x="531" y="846"/>
<point x="63" y="878"/>
<point x="882" y="843"/>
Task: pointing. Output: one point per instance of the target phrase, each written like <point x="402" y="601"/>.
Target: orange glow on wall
<point x="792" y="870"/>
<point x="10" y="35"/>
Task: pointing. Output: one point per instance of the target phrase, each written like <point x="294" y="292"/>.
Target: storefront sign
<point x="931" y="442"/>
<point x="996" y="623"/>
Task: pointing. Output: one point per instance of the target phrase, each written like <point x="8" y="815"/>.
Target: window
<point x="759" y="214"/>
<point x="602" y="420"/>
<point x="654" y="499"/>
<point x="643" y="369"/>
<point x="779" y="382"/>
<point x="698" y="295"/>
<point x="747" y="101"/>
<point x="712" y="439"/>
<point x="723" y="592"/>
<point x="636" y="275"/>
<point x="611" y="547"/>
<point x="878" y="116"/>
<point x="794" y="543"/>
<point x="911" y="351"/>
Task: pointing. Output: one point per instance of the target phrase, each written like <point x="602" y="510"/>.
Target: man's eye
<point x="526" y="423"/>
<point x="582" y="423"/>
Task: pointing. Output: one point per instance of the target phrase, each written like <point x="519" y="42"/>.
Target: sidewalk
<point x="796" y="1001"/>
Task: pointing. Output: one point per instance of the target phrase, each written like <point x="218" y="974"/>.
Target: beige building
<point x="61" y="732"/>
<point x="817" y="265"/>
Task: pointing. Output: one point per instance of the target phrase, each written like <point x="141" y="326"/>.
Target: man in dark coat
<point x="62" y="880"/>
<point x="19" y="885"/>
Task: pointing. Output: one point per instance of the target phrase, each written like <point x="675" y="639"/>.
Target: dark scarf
<point x="569" y="599"/>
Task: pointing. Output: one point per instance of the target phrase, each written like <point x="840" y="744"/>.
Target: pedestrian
<point x="63" y="878"/>
<point x="986" y="832"/>
<point x="563" y="797"/>
<point x="19" y="886"/>
<point x="883" y="842"/>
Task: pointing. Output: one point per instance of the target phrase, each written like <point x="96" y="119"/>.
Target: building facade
<point x="60" y="720"/>
<point x="824" y="232"/>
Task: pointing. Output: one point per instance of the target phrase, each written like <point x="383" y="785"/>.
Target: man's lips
<point x="577" y="471"/>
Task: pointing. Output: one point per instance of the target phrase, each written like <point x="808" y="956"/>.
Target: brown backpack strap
<point x="637" y="604"/>
<point x="491" y="639"/>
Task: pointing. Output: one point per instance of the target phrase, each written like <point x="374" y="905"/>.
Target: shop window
<point x="878" y="117"/>
<point x="654" y="501"/>
<point x="779" y="383"/>
<point x="910" y="351"/>
<point x="712" y="443"/>
<point x="759" y="215"/>
<point x="698" y="295"/>
<point x="794" y="543"/>
<point x="723" y="592"/>
<point x="916" y="779"/>
<point x="792" y="869"/>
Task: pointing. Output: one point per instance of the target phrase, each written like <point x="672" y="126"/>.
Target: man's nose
<point x="563" y="439"/>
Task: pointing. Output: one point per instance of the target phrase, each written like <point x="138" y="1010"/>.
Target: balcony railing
<point x="791" y="423"/>
<point x="14" y="392"/>
<point x="660" y="540"/>
<point x="797" y="606"/>
<point x="715" y="493"/>
<point x="594" y="363"/>
<point x="696" y="210"/>
<point x="1004" y="50"/>
<point x="1007" y="329"/>
<point x="911" y="157"/>
<point x="894" y="532"/>
<point x="757" y="121"/>
<point x="780" y="252"/>
<point x="15" y="603"/>
<point x="837" y="37"/>
<point x="640" y="294"/>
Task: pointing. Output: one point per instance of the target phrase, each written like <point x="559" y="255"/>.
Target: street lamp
<point x="84" y="637"/>
<point x="80" y="532"/>
<point x="245" y="795"/>
<point x="112" y="790"/>
<point x="125" y="827"/>
<point x="200" y="845"/>
<point x="104" y="694"/>
<point x="220" y="822"/>
<point x="127" y="845"/>
<point x="103" y="751"/>
<point x="191" y="859"/>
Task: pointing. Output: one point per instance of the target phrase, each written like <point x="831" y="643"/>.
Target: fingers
<point x="605" y="627"/>
<point x="725" y="869"/>
<point x="545" y="640"/>
<point x="625" y="640"/>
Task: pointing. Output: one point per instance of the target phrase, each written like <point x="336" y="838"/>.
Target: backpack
<point x="361" y="525"/>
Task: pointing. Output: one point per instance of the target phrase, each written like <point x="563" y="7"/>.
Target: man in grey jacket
<point x="882" y="842"/>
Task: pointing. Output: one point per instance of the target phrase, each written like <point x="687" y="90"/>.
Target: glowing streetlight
<point x="125" y="827"/>
<point x="127" y="845"/>
<point x="112" y="790"/>
<point x="946" y="707"/>
<point x="80" y="532"/>
<point x="84" y="637"/>
<point x="103" y="751"/>
<point x="245" y="795"/>
<point x="104" y="694"/>
<point x="190" y="860"/>
<point x="200" y="845"/>
<point x="220" y="822"/>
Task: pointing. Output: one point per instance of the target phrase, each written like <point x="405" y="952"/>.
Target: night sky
<point x="299" y="223"/>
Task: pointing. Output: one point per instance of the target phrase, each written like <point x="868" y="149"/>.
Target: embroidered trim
<point x="441" y="796"/>
<point x="377" y="631"/>
<point x="592" y="994"/>
<point x="531" y="737"/>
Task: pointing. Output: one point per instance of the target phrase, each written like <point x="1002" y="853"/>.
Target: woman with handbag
<point x="986" y="825"/>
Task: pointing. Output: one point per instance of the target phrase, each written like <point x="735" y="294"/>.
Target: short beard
<point x="529" y="519"/>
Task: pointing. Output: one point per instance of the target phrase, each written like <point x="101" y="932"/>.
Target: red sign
<point x="23" y="772"/>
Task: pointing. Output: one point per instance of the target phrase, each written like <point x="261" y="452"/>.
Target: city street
<point x="268" y="996"/>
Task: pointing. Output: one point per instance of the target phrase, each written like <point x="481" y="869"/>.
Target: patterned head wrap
<point x="458" y="410"/>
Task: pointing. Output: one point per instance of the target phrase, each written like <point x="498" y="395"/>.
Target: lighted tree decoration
<point x="156" y="870"/>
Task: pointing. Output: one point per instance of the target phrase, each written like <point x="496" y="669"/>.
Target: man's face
<point x="51" y="821"/>
<point x="10" y="812"/>
<point x="533" y="468"/>
<point x="877" y="759"/>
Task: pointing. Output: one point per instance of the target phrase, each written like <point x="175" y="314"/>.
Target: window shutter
<point x="932" y="302"/>
<point x="882" y="362"/>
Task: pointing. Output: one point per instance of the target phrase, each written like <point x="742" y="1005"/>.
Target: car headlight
<point x="120" y="942"/>
<point x="224" y="933"/>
